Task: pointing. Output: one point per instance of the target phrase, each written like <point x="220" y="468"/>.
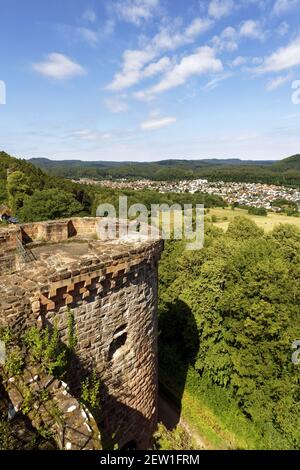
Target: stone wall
<point x="8" y="243"/>
<point x="112" y="292"/>
<point x="53" y="409"/>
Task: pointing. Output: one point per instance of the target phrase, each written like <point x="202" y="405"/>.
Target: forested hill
<point x="23" y="184"/>
<point x="286" y="171"/>
<point x="291" y="163"/>
<point x="35" y="176"/>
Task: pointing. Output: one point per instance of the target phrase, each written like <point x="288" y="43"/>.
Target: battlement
<point x="111" y="288"/>
<point x="41" y="237"/>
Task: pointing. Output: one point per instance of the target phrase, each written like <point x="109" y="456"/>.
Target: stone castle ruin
<point x="50" y="268"/>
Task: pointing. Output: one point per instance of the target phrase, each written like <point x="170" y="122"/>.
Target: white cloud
<point x="116" y="104"/>
<point x="109" y="27"/>
<point x="162" y="65"/>
<point x="201" y="62"/>
<point x="92" y="136"/>
<point x="282" y="6"/>
<point x="89" y="15"/>
<point x="136" y="11"/>
<point x="198" y="26"/>
<point x="251" y="29"/>
<point x="134" y="61"/>
<point x="170" y="39"/>
<point x="58" y="67"/>
<point x="283" y="28"/>
<point x="214" y="83"/>
<point x="238" y="61"/>
<point x="284" y="58"/>
<point x="257" y="60"/>
<point x="227" y="41"/>
<point x="153" y="124"/>
<point x="88" y="35"/>
<point x="219" y="8"/>
<point x="278" y="82"/>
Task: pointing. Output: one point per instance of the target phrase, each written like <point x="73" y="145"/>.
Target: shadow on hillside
<point x="178" y="346"/>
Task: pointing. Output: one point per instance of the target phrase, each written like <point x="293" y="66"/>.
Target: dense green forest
<point x="286" y="171"/>
<point x="20" y="181"/>
<point x="229" y="315"/>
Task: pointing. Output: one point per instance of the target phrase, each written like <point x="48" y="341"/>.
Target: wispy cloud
<point x="116" y="104"/>
<point x="220" y="8"/>
<point x="227" y="40"/>
<point x="201" y="62"/>
<point x="283" y="29"/>
<point x="136" y="11"/>
<point x="282" y="6"/>
<point x="90" y="36"/>
<point x="215" y="82"/>
<point x="252" y="29"/>
<point x="89" y="15"/>
<point x="284" y="58"/>
<point x="162" y="65"/>
<point x="159" y="123"/>
<point x="238" y="61"/>
<point x="278" y="82"/>
<point x="91" y="136"/>
<point x="135" y="61"/>
<point x="59" y="67"/>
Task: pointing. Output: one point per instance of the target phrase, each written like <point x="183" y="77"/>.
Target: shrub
<point x="14" y="362"/>
<point x="90" y="392"/>
<point x="44" y="346"/>
<point x="172" y="440"/>
<point x="258" y="211"/>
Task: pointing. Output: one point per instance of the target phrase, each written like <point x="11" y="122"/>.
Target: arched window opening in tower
<point x="117" y="344"/>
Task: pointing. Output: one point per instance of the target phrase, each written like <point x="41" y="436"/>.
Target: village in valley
<point x="256" y="195"/>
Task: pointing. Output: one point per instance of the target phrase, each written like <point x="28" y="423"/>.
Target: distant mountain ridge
<point x="286" y="171"/>
<point x="46" y="162"/>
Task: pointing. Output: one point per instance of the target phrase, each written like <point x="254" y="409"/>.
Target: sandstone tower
<point x="111" y="288"/>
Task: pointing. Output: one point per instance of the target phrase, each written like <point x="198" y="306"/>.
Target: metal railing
<point x="25" y="254"/>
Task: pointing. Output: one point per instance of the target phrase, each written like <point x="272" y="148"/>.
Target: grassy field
<point x="224" y="216"/>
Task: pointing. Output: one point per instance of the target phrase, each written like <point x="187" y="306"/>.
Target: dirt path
<point x="169" y="415"/>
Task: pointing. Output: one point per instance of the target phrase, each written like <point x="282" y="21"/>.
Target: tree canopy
<point x="49" y="204"/>
<point x="243" y="292"/>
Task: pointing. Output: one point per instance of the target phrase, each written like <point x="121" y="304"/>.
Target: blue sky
<point x="150" y="79"/>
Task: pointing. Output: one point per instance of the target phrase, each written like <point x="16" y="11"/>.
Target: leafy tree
<point x="3" y="192"/>
<point x="242" y="227"/>
<point x="258" y="211"/>
<point x="49" y="204"/>
<point x="243" y="291"/>
<point x="17" y="187"/>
